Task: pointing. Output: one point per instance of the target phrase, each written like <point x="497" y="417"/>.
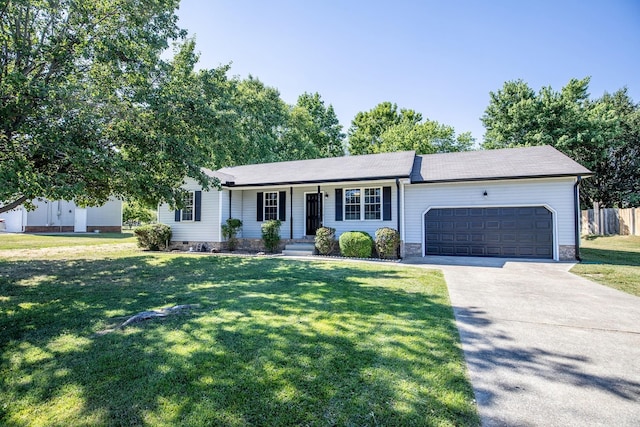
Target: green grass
<point x="37" y="241"/>
<point x="273" y="342"/>
<point x="613" y="261"/>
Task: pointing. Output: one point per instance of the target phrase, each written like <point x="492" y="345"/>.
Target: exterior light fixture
<point x="485" y="194"/>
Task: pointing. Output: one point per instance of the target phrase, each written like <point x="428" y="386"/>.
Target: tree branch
<point x="13" y="204"/>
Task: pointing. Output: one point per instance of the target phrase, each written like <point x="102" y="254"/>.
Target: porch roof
<point x="509" y="163"/>
<point x="332" y="169"/>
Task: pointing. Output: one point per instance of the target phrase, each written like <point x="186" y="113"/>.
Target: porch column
<point x="290" y="212"/>
<point x="319" y="209"/>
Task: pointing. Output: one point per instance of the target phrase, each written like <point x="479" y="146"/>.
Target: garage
<point x="514" y="232"/>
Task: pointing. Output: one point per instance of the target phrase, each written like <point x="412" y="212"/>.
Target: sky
<point x="439" y="58"/>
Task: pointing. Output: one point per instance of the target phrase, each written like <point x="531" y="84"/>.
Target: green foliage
<point x="387" y="242"/>
<point x="229" y="232"/>
<point x="271" y="234"/>
<point x="602" y="134"/>
<point x="134" y="213"/>
<point x="153" y="237"/>
<point x="325" y="240"/>
<point x="340" y="339"/>
<point x="385" y="129"/>
<point x="88" y="109"/>
<point x="357" y="244"/>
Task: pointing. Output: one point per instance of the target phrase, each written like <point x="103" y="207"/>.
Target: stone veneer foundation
<point x="567" y="253"/>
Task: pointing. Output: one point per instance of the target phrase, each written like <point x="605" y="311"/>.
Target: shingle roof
<point x="526" y="162"/>
<point x="333" y="169"/>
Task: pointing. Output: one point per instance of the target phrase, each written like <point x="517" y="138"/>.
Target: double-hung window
<point x="352" y="204"/>
<point x="270" y="205"/>
<point x="372" y="203"/>
<point x="363" y="203"/>
<point x="187" y="211"/>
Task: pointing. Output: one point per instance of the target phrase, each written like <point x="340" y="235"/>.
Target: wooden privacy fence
<point x="611" y="221"/>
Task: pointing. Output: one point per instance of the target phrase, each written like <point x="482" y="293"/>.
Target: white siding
<point x="205" y="230"/>
<point x="245" y="205"/>
<point x="109" y="214"/>
<point x="48" y="213"/>
<point x="556" y="194"/>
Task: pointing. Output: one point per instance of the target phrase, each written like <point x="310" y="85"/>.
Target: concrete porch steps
<point x="299" y="249"/>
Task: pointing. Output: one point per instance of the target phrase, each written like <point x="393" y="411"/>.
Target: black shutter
<point x="386" y="203"/>
<point x="338" y="204"/>
<point x="282" y="206"/>
<point x="197" y="202"/>
<point x="178" y="215"/>
<point x="260" y="210"/>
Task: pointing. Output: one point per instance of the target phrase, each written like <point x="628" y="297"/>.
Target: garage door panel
<point x="499" y="232"/>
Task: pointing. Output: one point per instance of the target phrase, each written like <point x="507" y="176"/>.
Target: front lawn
<point x="37" y="241"/>
<point x="613" y="261"/>
<point x="272" y="342"/>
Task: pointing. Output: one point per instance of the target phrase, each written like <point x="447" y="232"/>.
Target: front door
<point x="80" y="220"/>
<point x="313" y="213"/>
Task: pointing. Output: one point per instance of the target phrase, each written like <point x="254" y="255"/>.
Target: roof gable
<point x="524" y="162"/>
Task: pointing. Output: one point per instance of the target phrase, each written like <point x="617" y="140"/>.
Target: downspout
<point x="576" y="203"/>
<point x="291" y="213"/>
<point x="230" y="201"/>
<point x="398" y="210"/>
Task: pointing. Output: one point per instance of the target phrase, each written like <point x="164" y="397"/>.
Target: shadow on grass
<point x="274" y="342"/>
<point x="607" y="256"/>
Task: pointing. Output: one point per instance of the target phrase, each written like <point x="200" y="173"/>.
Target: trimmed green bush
<point x="387" y="242"/>
<point x="271" y="234"/>
<point x="154" y="237"/>
<point x="357" y="244"/>
<point x="230" y="231"/>
<point x="325" y="240"/>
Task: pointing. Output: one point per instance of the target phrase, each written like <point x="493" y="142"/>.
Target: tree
<point x="602" y="135"/>
<point x="324" y="130"/>
<point x="424" y="138"/>
<point x="87" y="105"/>
<point x="135" y="213"/>
<point x="385" y="129"/>
<point x="366" y="129"/>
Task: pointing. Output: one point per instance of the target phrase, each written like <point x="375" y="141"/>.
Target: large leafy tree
<point x="387" y="129"/>
<point x="322" y="127"/>
<point x="87" y="107"/>
<point x="601" y="134"/>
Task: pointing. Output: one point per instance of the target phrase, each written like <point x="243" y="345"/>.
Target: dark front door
<point x="520" y="232"/>
<point x="314" y="213"/>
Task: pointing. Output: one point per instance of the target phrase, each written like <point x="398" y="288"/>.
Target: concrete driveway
<point x="545" y="347"/>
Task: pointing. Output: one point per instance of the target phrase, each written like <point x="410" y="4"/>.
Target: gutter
<point x="317" y="181"/>
<point x="576" y="204"/>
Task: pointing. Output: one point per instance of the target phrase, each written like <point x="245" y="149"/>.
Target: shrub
<point x="387" y="242"/>
<point x="271" y="234"/>
<point x="325" y="240"/>
<point x="154" y="237"/>
<point x="356" y="244"/>
<point x="230" y="231"/>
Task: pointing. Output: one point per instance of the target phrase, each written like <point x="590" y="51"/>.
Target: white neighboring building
<point x="63" y="216"/>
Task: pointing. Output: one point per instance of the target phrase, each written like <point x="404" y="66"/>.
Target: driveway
<point x="545" y="347"/>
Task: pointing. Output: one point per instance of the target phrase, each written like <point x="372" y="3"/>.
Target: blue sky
<point x="440" y="58"/>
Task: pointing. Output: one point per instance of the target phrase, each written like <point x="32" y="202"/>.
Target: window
<point x="352" y="204"/>
<point x="355" y="208"/>
<point x="372" y="203"/>
<point x="187" y="211"/>
<point x="270" y="205"/>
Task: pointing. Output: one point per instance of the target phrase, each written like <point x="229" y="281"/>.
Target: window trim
<point x="264" y="205"/>
<point x="362" y="203"/>
<point x="192" y="206"/>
